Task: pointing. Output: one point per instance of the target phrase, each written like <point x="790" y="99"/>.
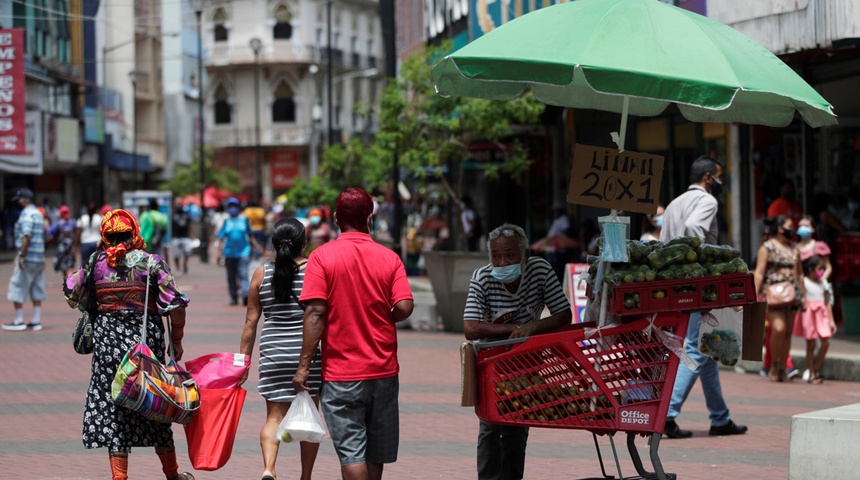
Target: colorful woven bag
<point x="164" y="394"/>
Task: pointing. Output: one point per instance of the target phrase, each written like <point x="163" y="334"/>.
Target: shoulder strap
<point x="145" y="305"/>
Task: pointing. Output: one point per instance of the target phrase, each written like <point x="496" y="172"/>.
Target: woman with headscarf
<point x="119" y="270"/>
<point x="274" y="293"/>
<point x="64" y="233"/>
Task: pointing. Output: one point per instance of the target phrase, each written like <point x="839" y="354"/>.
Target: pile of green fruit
<point x="679" y="258"/>
<point x="529" y="398"/>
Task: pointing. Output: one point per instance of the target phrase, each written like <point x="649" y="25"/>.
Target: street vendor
<point x="506" y="299"/>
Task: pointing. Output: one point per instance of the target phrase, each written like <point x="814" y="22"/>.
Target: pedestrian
<point x="182" y="235"/>
<point x="505" y="300"/>
<point x="319" y="230"/>
<point x="153" y="227"/>
<point x="355" y="291"/>
<point x="63" y="231"/>
<point x="470" y="223"/>
<point x="786" y="204"/>
<point x="235" y="244"/>
<point x="653" y="226"/>
<point x="816" y="323"/>
<point x="28" y="276"/>
<point x="809" y="245"/>
<point x="87" y="232"/>
<point x="274" y="293"/>
<point x="256" y="216"/>
<point x="778" y="261"/>
<point x="117" y="277"/>
<point x="694" y="214"/>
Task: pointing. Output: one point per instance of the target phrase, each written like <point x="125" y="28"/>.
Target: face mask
<point x="508" y="274"/>
<point x="315" y="219"/>
<point x="804" y="232"/>
<point x="716" y="187"/>
<point x="233" y="211"/>
<point x="658" y="221"/>
<point x="819" y="274"/>
<point x="788" y="232"/>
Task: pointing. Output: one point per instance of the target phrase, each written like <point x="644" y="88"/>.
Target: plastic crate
<point x="683" y="295"/>
<point x="618" y="379"/>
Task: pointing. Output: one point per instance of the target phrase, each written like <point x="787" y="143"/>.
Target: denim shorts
<point x="363" y="419"/>
<point x="29" y="280"/>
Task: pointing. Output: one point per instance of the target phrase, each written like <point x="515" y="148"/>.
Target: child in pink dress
<point x="816" y="321"/>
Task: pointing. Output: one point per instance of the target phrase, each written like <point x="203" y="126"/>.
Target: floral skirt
<point x="106" y="424"/>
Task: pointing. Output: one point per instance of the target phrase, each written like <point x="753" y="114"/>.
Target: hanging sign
<point x="12" y="104"/>
<point x="605" y="177"/>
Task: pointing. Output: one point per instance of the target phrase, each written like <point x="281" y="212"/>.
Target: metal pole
<point x="204" y="227"/>
<point x="134" y="119"/>
<point x="329" y="73"/>
<point x="257" y="123"/>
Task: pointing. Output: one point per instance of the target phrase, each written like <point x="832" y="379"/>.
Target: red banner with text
<point x="13" y="107"/>
<point x="285" y="168"/>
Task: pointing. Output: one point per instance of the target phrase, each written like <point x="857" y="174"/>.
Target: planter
<point x="449" y="274"/>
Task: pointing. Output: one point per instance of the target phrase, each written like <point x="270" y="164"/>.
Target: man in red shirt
<point x="786" y="204"/>
<point x="355" y="290"/>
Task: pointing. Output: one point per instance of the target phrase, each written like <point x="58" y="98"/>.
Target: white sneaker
<point x="14" y="327"/>
<point x="806" y="375"/>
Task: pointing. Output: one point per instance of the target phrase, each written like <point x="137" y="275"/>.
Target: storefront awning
<point x="126" y="161"/>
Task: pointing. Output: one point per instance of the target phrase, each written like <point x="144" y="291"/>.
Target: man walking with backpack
<point x="153" y="226"/>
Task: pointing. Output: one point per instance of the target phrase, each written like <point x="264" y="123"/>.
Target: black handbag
<point x="82" y="337"/>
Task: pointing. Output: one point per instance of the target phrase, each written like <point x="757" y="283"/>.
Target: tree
<point x="427" y="132"/>
<point x="186" y="179"/>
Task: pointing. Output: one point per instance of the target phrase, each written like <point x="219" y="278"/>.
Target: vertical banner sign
<point x="12" y="103"/>
<point x="607" y="178"/>
<point x="285" y="168"/>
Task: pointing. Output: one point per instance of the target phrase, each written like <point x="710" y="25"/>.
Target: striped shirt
<point x="281" y="342"/>
<point x="31" y="223"/>
<point x="490" y="302"/>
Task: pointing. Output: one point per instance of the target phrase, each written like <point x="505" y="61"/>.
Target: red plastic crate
<point x="731" y="290"/>
<point x="618" y="379"/>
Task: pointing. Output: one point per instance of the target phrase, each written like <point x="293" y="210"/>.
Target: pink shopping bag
<point x="218" y="370"/>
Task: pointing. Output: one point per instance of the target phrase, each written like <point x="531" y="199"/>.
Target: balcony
<point x="282" y="51"/>
<point x="220" y="136"/>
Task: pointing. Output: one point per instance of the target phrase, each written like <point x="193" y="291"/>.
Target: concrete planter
<point x="449" y="274"/>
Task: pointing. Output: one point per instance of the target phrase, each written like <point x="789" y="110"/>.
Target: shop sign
<point x="30" y="162"/>
<point x="94" y="126"/>
<point x="440" y="15"/>
<point x="285" y="168"/>
<point x="607" y="178"/>
<point x="12" y="90"/>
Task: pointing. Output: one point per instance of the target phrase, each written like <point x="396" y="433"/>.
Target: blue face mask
<point x="658" y="221"/>
<point x="233" y="211"/>
<point x="508" y="274"/>
<point x="804" y="232"/>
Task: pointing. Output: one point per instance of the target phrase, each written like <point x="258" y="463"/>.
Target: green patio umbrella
<point x="640" y="54"/>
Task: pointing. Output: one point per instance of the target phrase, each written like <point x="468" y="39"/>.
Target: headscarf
<point x="119" y="221"/>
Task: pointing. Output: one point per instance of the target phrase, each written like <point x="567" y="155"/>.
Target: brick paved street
<point x="43" y="382"/>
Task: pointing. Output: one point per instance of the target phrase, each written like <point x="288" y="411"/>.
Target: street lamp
<point x="201" y="126"/>
<point x="316" y="118"/>
<point x="132" y="75"/>
<point x="256" y="46"/>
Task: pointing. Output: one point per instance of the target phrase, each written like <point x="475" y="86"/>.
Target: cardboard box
<point x="753" y="335"/>
<point x="468" y="375"/>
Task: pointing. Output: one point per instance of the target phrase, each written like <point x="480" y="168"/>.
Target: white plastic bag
<point x="302" y="421"/>
<point x="721" y="334"/>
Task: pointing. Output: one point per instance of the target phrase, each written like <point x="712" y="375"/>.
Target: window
<point x="353" y="47"/>
<point x="219" y="19"/>
<point x="223" y="110"/>
<point x="283" y="108"/>
<point x="283" y="28"/>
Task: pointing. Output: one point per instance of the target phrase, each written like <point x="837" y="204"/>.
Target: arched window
<point x="283" y="28"/>
<point x="219" y="19"/>
<point x="223" y="110"/>
<point x="283" y="108"/>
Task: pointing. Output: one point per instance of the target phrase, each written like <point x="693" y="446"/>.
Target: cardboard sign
<point x="603" y="177"/>
<point x="468" y="375"/>
<point x="576" y="290"/>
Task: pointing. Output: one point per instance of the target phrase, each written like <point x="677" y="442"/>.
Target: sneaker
<point x="14" y="327"/>
<point x="806" y="375"/>
<point x="728" y="429"/>
<point x="792" y="373"/>
<point x="34" y="327"/>
<point x="763" y="372"/>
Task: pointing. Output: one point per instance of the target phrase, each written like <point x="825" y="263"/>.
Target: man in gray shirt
<point x="694" y="214"/>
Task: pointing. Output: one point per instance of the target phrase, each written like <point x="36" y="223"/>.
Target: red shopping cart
<point x="616" y="378"/>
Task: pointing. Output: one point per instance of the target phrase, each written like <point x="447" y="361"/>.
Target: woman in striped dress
<point x="274" y="292"/>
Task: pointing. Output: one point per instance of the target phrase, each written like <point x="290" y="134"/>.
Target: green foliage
<point x="313" y="192"/>
<point x="186" y="179"/>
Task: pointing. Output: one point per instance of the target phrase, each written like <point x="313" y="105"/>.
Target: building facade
<point x="274" y="96"/>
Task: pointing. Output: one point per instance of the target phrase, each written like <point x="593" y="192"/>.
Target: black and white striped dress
<point x="281" y="342"/>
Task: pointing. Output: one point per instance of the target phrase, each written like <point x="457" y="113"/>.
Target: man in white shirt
<point x="694" y="214"/>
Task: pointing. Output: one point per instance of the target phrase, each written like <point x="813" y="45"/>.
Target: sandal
<point x="818" y="380"/>
<point x="268" y="477"/>
<point x="184" y="476"/>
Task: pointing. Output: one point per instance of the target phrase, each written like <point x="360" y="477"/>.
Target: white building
<point x="291" y="65"/>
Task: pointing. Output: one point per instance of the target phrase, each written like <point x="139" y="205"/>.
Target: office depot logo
<point x="635" y="417"/>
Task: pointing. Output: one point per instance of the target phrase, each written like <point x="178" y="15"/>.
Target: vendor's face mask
<point x="508" y="273"/>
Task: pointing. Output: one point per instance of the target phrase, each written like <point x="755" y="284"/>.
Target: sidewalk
<point x="43" y="384"/>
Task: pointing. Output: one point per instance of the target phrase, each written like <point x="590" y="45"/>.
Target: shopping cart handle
<point x="498" y="343"/>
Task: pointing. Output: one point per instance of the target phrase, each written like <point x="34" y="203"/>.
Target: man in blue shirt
<point x="235" y="241"/>
<point x="28" y="278"/>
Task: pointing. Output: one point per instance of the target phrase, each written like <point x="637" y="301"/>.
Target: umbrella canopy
<point x="596" y="53"/>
